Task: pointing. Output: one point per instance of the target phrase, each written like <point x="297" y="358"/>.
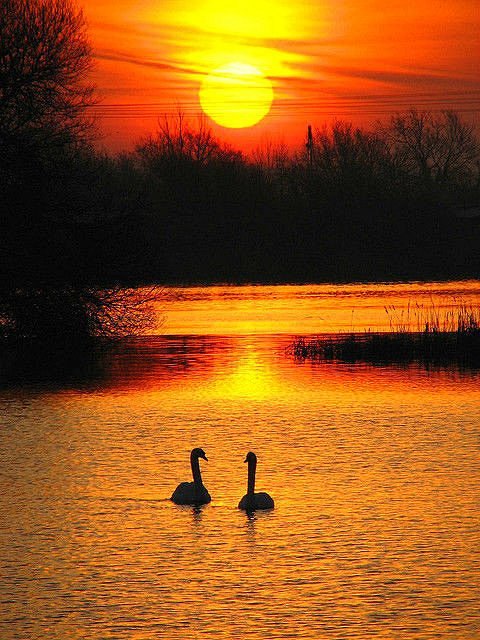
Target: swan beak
<point x="205" y="458"/>
<point x="246" y="460"/>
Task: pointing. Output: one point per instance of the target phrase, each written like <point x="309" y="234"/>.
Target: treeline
<point x="354" y="204"/>
<point x="184" y="207"/>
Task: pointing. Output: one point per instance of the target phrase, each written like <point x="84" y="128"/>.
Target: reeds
<point x="428" y="335"/>
<point x="434" y="318"/>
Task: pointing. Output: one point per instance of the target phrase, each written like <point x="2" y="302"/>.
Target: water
<point x="374" y="471"/>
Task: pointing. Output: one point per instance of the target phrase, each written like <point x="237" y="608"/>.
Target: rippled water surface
<point x="374" y="472"/>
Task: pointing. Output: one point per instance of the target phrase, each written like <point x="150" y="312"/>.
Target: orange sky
<point x="354" y="60"/>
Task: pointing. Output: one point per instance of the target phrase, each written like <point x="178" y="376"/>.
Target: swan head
<point x="199" y="453"/>
<point x="250" y="457"/>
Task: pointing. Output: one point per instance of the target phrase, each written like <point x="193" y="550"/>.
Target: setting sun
<point x="236" y="95"/>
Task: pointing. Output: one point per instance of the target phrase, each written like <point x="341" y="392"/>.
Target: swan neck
<point x="252" y="467"/>
<point x="197" y="476"/>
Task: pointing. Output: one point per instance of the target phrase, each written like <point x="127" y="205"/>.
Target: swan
<point x="192" y="492"/>
<point x="252" y="501"/>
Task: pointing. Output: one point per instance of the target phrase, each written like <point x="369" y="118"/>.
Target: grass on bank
<point x="430" y="336"/>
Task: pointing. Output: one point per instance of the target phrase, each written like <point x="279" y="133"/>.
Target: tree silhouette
<point x="44" y="58"/>
<point x="53" y="286"/>
<point x="438" y="148"/>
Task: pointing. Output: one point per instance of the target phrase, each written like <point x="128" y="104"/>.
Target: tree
<point x="53" y="285"/>
<point x="178" y="141"/>
<point x="349" y="156"/>
<point x="44" y="58"/>
<point x="76" y="315"/>
<point x="438" y="148"/>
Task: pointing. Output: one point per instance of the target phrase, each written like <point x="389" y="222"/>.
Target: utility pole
<point x="309" y="144"/>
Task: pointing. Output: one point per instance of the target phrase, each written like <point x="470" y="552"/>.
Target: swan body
<point x="193" y="492"/>
<point x="252" y="501"/>
<point x="256" y="502"/>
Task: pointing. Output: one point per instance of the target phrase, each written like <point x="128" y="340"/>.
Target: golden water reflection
<point x="304" y="309"/>
<point x="374" y="471"/>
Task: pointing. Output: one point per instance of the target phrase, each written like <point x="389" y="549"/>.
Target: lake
<point x="374" y="471"/>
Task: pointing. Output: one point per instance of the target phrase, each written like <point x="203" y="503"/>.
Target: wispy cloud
<point x="128" y="58"/>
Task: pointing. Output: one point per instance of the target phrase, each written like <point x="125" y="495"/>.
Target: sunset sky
<point x="354" y="60"/>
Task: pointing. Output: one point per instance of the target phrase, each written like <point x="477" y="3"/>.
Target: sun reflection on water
<point x="374" y="471"/>
<point x="250" y="376"/>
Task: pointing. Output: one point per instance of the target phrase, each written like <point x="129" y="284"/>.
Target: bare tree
<point x="438" y="148"/>
<point x="77" y="314"/>
<point x="344" y="148"/>
<point x="45" y="56"/>
<point x="274" y="158"/>
<point x="178" y="140"/>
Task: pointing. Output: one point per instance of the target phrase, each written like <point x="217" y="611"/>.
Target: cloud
<point x="401" y="77"/>
<point x="128" y="58"/>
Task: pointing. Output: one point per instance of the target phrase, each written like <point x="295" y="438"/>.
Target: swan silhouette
<point x="192" y="492"/>
<point x="252" y="501"/>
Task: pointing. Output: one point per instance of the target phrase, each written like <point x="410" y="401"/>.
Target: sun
<point x="236" y="95"/>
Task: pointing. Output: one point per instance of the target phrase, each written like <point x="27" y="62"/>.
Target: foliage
<point x="75" y="315"/>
